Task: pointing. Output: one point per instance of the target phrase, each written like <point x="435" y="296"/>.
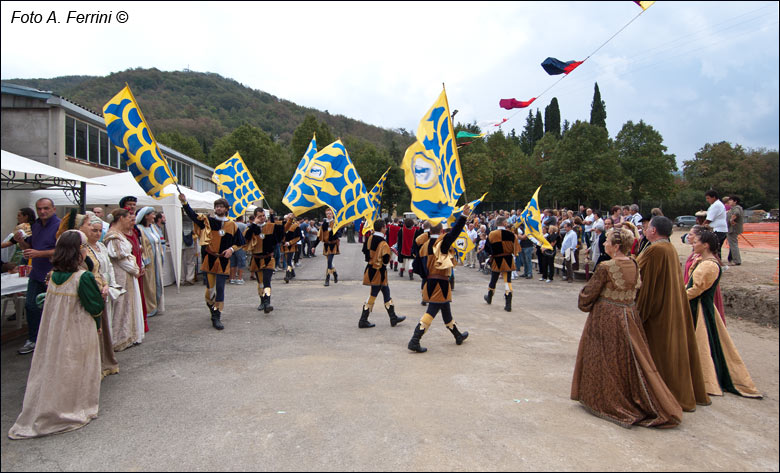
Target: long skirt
<point x="615" y="377"/>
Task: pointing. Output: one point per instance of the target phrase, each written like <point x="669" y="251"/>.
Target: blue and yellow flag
<point x="375" y="196"/>
<point x="532" y="219"/>
<point x="132" y="138"/>
<point x="236" y="185"/>
<point x="463" y="245"/>
<point x="432" y="167"/>
<point x="336" y="183"/>
<point x="459" y="210"/>
<point x="299" y="196"/>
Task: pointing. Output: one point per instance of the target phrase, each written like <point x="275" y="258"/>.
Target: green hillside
<point x="206" y="106"/>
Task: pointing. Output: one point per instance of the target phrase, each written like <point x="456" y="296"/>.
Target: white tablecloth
<point x="12" y="283"/>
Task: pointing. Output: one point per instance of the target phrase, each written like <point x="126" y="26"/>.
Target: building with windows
<point x="43" y="126"/>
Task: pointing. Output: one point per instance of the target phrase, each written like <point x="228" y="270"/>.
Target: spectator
<point x="63" y="386"/>
<point x="24" y="219"/>
<point x="616" y="214"/>
<point x="716" y="218"/>
<point x="548" y="256"/>
<point x="568" y="249"/>
<point x="38" y="246"/>
<point x="238" y="258"/>
<point x="603" y="256"/>
<point x="526" y="251"/>
<point x="189" y="253"/>
<point x="127" y="324"/>
<point x="735" y="218"/>
<point x="153" y="258"/>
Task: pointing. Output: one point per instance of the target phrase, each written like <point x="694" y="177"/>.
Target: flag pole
<point x="455" y="148"/>
<point x="149" y="128"/>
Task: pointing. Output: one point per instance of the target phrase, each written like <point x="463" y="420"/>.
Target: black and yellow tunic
<point x="503" y="246"/>
<point x="377" y="253"/>
<point x="292" y="233"/>
<point x="215" y="236"/>
<point x="434" y="252"/>
<point x="329" y="239"/>
<point x="261" y="241"/>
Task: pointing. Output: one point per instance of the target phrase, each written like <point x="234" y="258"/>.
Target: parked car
<point x="685" y="221"/>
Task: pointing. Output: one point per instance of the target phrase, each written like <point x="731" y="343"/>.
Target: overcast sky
<point x="698" y="72"/>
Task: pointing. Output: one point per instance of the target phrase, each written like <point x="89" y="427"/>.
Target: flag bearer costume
<point x="377" y="253"/>
<point x="439" y="256"/>
<point x="262" y="237"/>
<point x="502" y="246"/>
<point x="292" y="234"/>
<point x="330" y="241"/>
<point x="418" y="263"/>
<point x="406" y="236"/>
<point x="219" y="238"/>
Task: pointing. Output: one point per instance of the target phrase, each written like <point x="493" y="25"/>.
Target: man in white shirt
<point x="636" y="218"/>
<point x="588" y="221"/>
<point x="716" y="217"/>
<point x="471" y="256"/>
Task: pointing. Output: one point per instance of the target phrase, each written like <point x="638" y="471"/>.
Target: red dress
<point x="133" y="238"/>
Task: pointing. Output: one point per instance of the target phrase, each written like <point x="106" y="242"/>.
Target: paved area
<point x="302" y="388"/>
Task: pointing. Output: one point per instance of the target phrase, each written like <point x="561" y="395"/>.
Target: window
<point x="104" y="157"/>
<point x="94" y="144"/>
<point x="81" y="140"/>
<point x="91" y="143"/>
<point x="70" y="136"/>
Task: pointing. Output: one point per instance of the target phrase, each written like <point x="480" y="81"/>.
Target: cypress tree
<point x="552" y="118"/>
<point x="527" y="136"/>
<point x="598" y="110"/>
<point x="538" y="127"/>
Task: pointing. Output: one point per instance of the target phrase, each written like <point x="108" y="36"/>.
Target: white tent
<point x="108" y="190"/>
<point x="14" y="162"/>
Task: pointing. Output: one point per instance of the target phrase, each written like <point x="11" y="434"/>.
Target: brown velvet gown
<point x="614" y="376"/>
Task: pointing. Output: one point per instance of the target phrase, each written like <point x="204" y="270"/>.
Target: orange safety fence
<point x="759" y="235"/>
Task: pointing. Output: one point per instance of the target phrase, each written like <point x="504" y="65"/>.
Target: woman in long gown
<point x="721" y="364"/>
<point x="104" y="274"/>
<point x="127" y="323"/>
<point x="692" y="258"/>
<point x="63" y="386"/>
<point x="153" y="252"/>
<point x="615" y="377"/>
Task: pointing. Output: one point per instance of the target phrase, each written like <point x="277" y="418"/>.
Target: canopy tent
<point x="108" y="190"/>
<point x="20" y="173"/>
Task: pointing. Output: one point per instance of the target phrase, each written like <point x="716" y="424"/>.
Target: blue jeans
<point x="527" y="266"/>
<point x="31" y="308"/>
<point x="519" y="262"/>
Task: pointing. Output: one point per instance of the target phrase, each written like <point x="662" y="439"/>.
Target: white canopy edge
<point x="14" y="162"/>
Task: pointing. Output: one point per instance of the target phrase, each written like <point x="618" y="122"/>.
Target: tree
<point x="583" y="167"/>
<point x="268" y="162"/>
<point x="302" y="136"/>
<point x="566" y="126"/>
<point x="645" y="165"/>
<point x="728" y="170"/>
<point x="527" y="136"/>
<point x="598" y="110"/>
<point x="552" y="118"/>
<point x="184" y="144"/>
<point x="538" y="127"/>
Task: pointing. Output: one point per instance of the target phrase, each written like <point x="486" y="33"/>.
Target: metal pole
<point x="83" y="202"/>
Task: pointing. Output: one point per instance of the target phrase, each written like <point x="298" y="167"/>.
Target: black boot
<point x="489" y="297"/>
<point x="394" y="319"/>
<point x="268" y="307"/>
<point x="215" y="320"/>
<point x="262" y="303"/>
<point x="423" y="303"/>
<point x="364" y="323"/>
<point x="292" y="273"/>
<point x="335" y="277"/>
<point x="508" y="304"/>
<point x="459" y="337"/>
<point x="327" y="279"/>
<point x="414" y="343"/>
<point x="411" y="275"/>
<point x="401" y="272"/>
<point x="287" y="276"/>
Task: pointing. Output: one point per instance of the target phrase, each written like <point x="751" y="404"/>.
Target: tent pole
<point x="83" y="200"/>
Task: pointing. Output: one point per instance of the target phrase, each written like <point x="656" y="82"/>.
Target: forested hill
<point x="205" y="106"/>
